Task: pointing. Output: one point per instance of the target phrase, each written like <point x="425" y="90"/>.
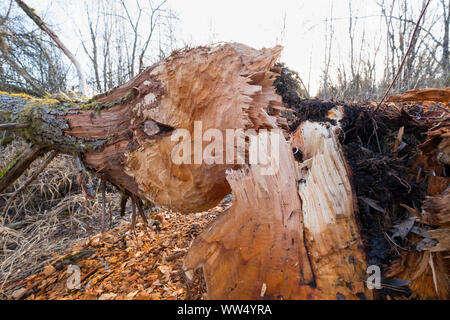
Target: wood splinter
<point x="290" y="235"/>
<point x="295" y="240"/>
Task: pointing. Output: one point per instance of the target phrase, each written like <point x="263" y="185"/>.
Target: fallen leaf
<point x="403" y="228"/>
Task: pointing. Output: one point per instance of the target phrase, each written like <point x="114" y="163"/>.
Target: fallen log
<point x="421" y="96"/>
<point x="305" y="224"/>
<point x="126" y="134"/>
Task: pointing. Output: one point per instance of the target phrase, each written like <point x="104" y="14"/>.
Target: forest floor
<point x="126" y="265"/>
<point x="48" y="227"/>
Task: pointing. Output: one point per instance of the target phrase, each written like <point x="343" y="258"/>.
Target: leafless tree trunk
<point x="41" y="24"/>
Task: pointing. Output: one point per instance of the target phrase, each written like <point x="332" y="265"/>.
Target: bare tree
<point x="123" y="37"/>
<point x="422" y="68"/>
<point x="44" y="27"/>
<point x="424" y="49"/>
<point x="445" y="41"/>
<point x="29" y="61"/>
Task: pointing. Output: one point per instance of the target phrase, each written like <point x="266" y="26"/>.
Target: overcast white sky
<point x="260" y="24"/>
<point x="297" y="25"/>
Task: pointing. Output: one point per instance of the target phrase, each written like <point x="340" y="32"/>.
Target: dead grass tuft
<point x="46" y="218"/>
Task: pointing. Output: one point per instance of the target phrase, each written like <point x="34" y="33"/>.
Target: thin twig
<point x="90" y="273"/>
<point x="43" y="26"/>
<point x="25" y="292"/>
<point x="102" y="218"/>
<point x="375" y="130"/>
<point x="142" y="214"/>
<point x="88" y="227"/>
<point x="110" y="217"/>
<point x="394" y="243"/>
<point x="133" y="214"/>
<point x="405" y="56"/>
<point x="123" y="203"/>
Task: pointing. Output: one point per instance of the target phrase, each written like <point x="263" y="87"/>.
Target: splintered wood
<point x="126" y="135"/>
<point x="290" y="227"/>
<point x="427" y="96"/>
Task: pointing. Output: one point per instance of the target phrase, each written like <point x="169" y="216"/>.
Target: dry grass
<point x="46" y="218"/>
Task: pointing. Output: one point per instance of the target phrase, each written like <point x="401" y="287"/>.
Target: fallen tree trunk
<point x="293" y="231"/>
<point x="126" y="134"/>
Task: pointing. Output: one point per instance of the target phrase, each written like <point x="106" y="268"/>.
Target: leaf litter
<point x="121" y="265"/>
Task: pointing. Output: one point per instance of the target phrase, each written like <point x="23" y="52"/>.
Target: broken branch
<point x="49" y="159"/>
<point x="17" y="166"/>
